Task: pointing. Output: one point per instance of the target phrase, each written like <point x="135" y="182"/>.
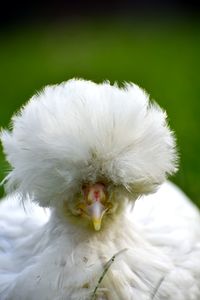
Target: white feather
<point x="81" y="132"/>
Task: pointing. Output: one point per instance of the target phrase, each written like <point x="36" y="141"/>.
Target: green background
<point x="162" y="57"/>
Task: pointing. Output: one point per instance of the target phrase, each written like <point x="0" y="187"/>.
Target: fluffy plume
<point x="80" y="131"/>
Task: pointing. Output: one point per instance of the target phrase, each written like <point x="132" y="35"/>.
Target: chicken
<point x="89" y="212"/>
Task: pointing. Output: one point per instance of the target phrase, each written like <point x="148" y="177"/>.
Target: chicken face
<point x="94" y="203"/>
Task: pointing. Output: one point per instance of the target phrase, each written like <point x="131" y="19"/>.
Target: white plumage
<point x="92" y="157"/>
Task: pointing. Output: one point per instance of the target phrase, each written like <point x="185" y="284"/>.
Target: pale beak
<point x="95" y="199"/>
<point x="96" y="212"/>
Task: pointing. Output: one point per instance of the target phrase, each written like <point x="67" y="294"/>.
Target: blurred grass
<point x="161" y="57"/>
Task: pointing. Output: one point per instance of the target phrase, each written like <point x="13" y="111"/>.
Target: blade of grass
<point x="106" y="268"/>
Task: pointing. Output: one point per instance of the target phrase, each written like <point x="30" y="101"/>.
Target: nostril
<point x="96" y="195"/>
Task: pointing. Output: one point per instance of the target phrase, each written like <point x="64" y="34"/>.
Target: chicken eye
<point x="109" y="205"/>
<point x="89" y="202"/>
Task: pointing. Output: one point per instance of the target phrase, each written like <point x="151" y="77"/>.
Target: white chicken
<point x="89" y="214"/>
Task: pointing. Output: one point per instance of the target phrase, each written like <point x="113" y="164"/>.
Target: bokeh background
<point x="155" y="44"/>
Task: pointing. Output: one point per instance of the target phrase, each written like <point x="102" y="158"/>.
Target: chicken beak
<point x="96" y="212"/>
<point x="95" y="196"/>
